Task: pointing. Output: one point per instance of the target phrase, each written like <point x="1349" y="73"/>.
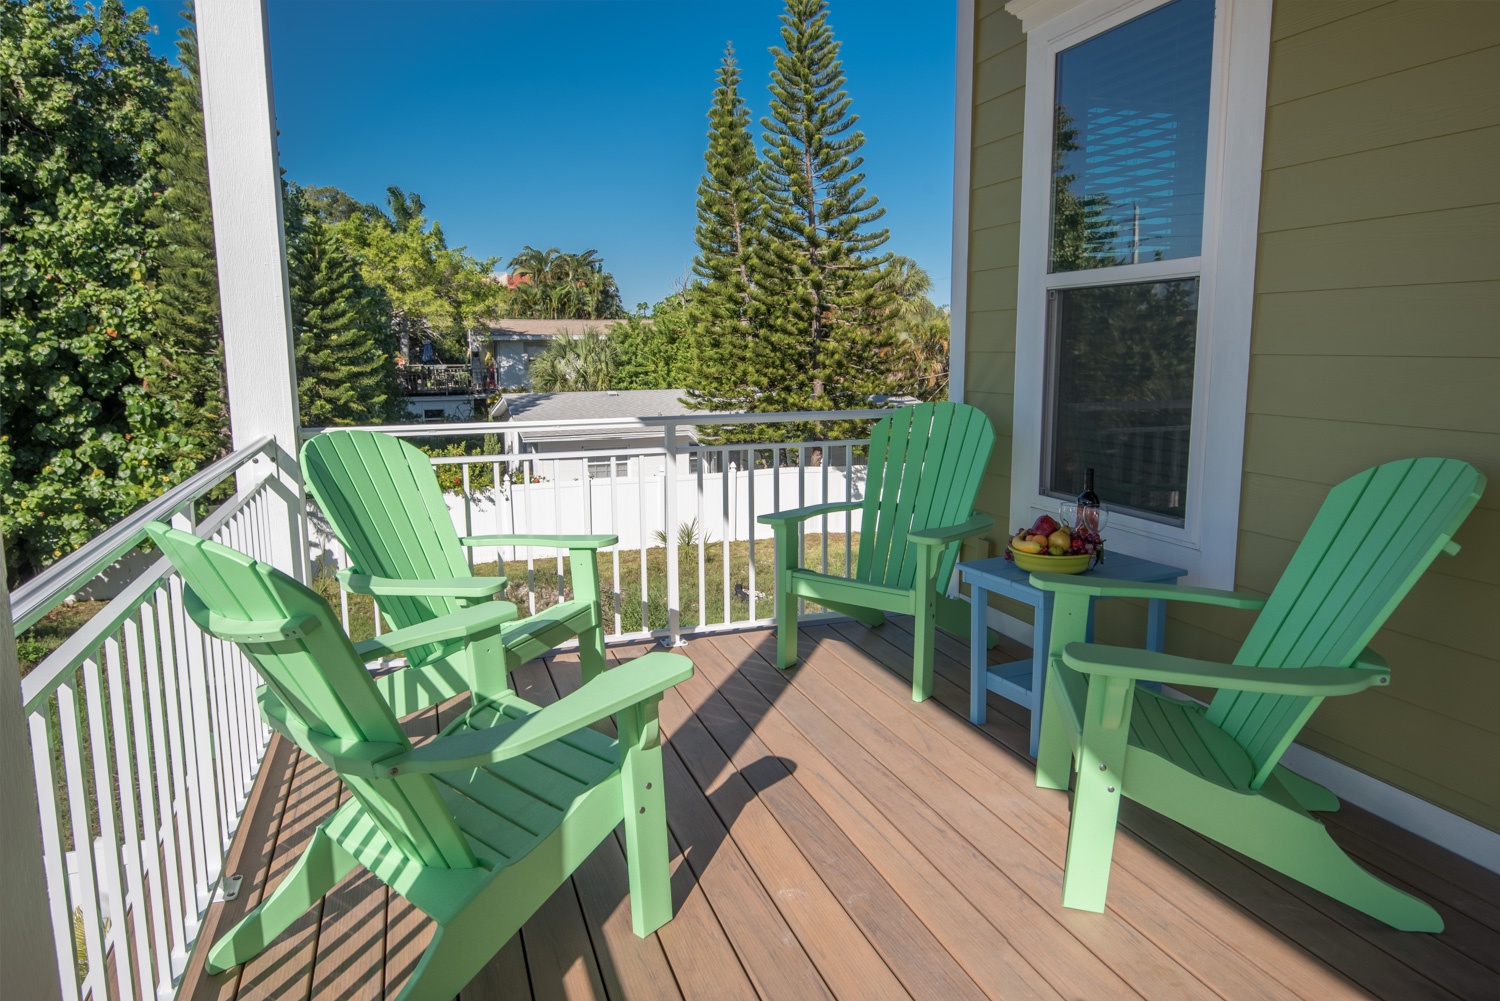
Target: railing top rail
<point x="41" y="594"/>
<point x="60" y="663"/>
<point x="695" y="420"/>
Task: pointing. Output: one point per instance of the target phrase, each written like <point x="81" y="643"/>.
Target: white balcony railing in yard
<point x="653" y="496"/>
<point x="145" y="743"/>
<point x="144" y="733"/>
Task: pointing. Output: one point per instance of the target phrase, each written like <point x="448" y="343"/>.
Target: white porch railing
<point x="145" y="743"/>
<point x="144" y="733"/>
<point x="653" y="496"/>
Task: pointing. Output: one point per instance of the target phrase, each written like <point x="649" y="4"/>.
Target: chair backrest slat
<point x="385" y="505"/>
<point x="924" y="470"/>
<point x="1369" y="543"/>
<point x="321" y="682"/>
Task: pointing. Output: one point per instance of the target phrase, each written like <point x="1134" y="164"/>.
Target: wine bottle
<point x="1088" y="503"/>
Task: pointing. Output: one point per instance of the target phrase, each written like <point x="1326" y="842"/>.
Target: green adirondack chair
<point x="476" y="827"/>
<point x="924" y="469"/>
<point x="382" y="498"/>
<point x="1216" y="769"/>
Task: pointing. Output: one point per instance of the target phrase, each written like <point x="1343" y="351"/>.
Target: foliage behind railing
<point x="145" y="743"/>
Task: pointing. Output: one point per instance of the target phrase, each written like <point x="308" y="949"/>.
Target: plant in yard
<point x="687" y="535"/>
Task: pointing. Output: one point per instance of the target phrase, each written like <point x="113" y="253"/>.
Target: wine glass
<point x="1079" y="517"/>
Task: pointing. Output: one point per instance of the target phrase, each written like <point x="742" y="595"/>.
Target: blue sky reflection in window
<point x="1132" y="139"/>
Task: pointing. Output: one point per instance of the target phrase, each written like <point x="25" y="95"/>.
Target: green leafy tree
<point x="570" y="364"/>
<point x="552" y="285"/>
<point x="724" y="370"/>
<point x="436" y="293"/>
<point x="82" y="441"/>
<point x="346" y="371"/>
<point x="654" y="348"/>
<point x="186" y="360"/>
<point x="817" y="275"/>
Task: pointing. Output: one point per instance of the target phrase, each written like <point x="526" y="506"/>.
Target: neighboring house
<point x="445" y="392"/>
<point x="607" y="421"/>
<point x="1267" y="261"/>
<point x="514" y="343"/>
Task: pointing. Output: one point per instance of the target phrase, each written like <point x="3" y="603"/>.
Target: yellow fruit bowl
<point x="1044" y="563"/>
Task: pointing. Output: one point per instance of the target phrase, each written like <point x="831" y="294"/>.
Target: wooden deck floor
<point x="832" y="839"/>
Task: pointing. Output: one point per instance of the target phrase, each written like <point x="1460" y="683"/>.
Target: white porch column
<point x="245" y="185"/>
<point x="27" y="953"/>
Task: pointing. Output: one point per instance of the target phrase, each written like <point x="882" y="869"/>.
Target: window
<point x="1121" y="394"/>
<point x="1136" y="273"/>
<point x="599" y="468"/>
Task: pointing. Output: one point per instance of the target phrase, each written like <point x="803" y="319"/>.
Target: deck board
<point x="830" y="838"/>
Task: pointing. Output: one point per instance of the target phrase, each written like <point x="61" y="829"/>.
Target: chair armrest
<point x="954" y="533"/>
<point x="550" y="541"/>
<point x="636" y="681"/>
<point x="797" y="514"/>
<point x="1147" y="665"/>
<point x="466" y="623"/>
<point x="438" y="587"/>
<point x="1101" y="587"/>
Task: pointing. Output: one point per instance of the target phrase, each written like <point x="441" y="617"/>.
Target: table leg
<point x="1156" y="624"/>
<point x="1156" y="633"/>
<point x="978" y="653"/>
<point x="1041" y="640"/>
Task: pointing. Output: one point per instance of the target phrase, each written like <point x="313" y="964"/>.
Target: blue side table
<point x="1022" y="681"/>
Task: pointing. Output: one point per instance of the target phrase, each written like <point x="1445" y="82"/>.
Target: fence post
<point x="674" y="589"/>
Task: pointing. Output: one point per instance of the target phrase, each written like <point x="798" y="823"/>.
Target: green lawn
<point x="545" y="582"/>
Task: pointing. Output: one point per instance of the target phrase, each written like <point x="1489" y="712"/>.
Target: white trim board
<point x="1206" y="544"/>
<point x="963" y="134"/>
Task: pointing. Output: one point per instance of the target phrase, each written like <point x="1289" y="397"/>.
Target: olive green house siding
<point x="1376" y="336"/>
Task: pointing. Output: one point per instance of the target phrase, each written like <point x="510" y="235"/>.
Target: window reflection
<point x="1122" y="362"/>
<point x="1131" y="140"/>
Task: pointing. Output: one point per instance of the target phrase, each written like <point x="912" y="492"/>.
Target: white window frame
<point x="1206" y="543"/>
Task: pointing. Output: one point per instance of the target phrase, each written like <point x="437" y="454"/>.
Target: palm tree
<point x="570" y="365"/>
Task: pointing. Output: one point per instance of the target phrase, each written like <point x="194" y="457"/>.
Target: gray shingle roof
<point x="526" y="408"/>
<point x="594" y="405"/>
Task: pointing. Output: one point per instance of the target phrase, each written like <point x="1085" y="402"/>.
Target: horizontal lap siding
<point x="1377" y="336"/>
<point x="994" y="242"/>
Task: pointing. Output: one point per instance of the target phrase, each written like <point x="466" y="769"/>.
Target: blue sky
<point x="581" y="123"/>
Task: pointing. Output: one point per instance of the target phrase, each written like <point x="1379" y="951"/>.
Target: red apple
<point x="1045" y="525"/>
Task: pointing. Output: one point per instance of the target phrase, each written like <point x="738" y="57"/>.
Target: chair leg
<point x="786" y="629"/>
<point x="456" y="954"/>
<point x="591" y="653"/>
<point x="1054" y="754"/>
<point x="1273" y="829"/>
<point x="1091" y="842"/>
<point x="321" y="866"/>
<point x="924" y="648"/>
<point x="645" y="820"/>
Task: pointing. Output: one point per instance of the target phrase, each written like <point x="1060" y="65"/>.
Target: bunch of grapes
<point x="1086" y="540"/>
